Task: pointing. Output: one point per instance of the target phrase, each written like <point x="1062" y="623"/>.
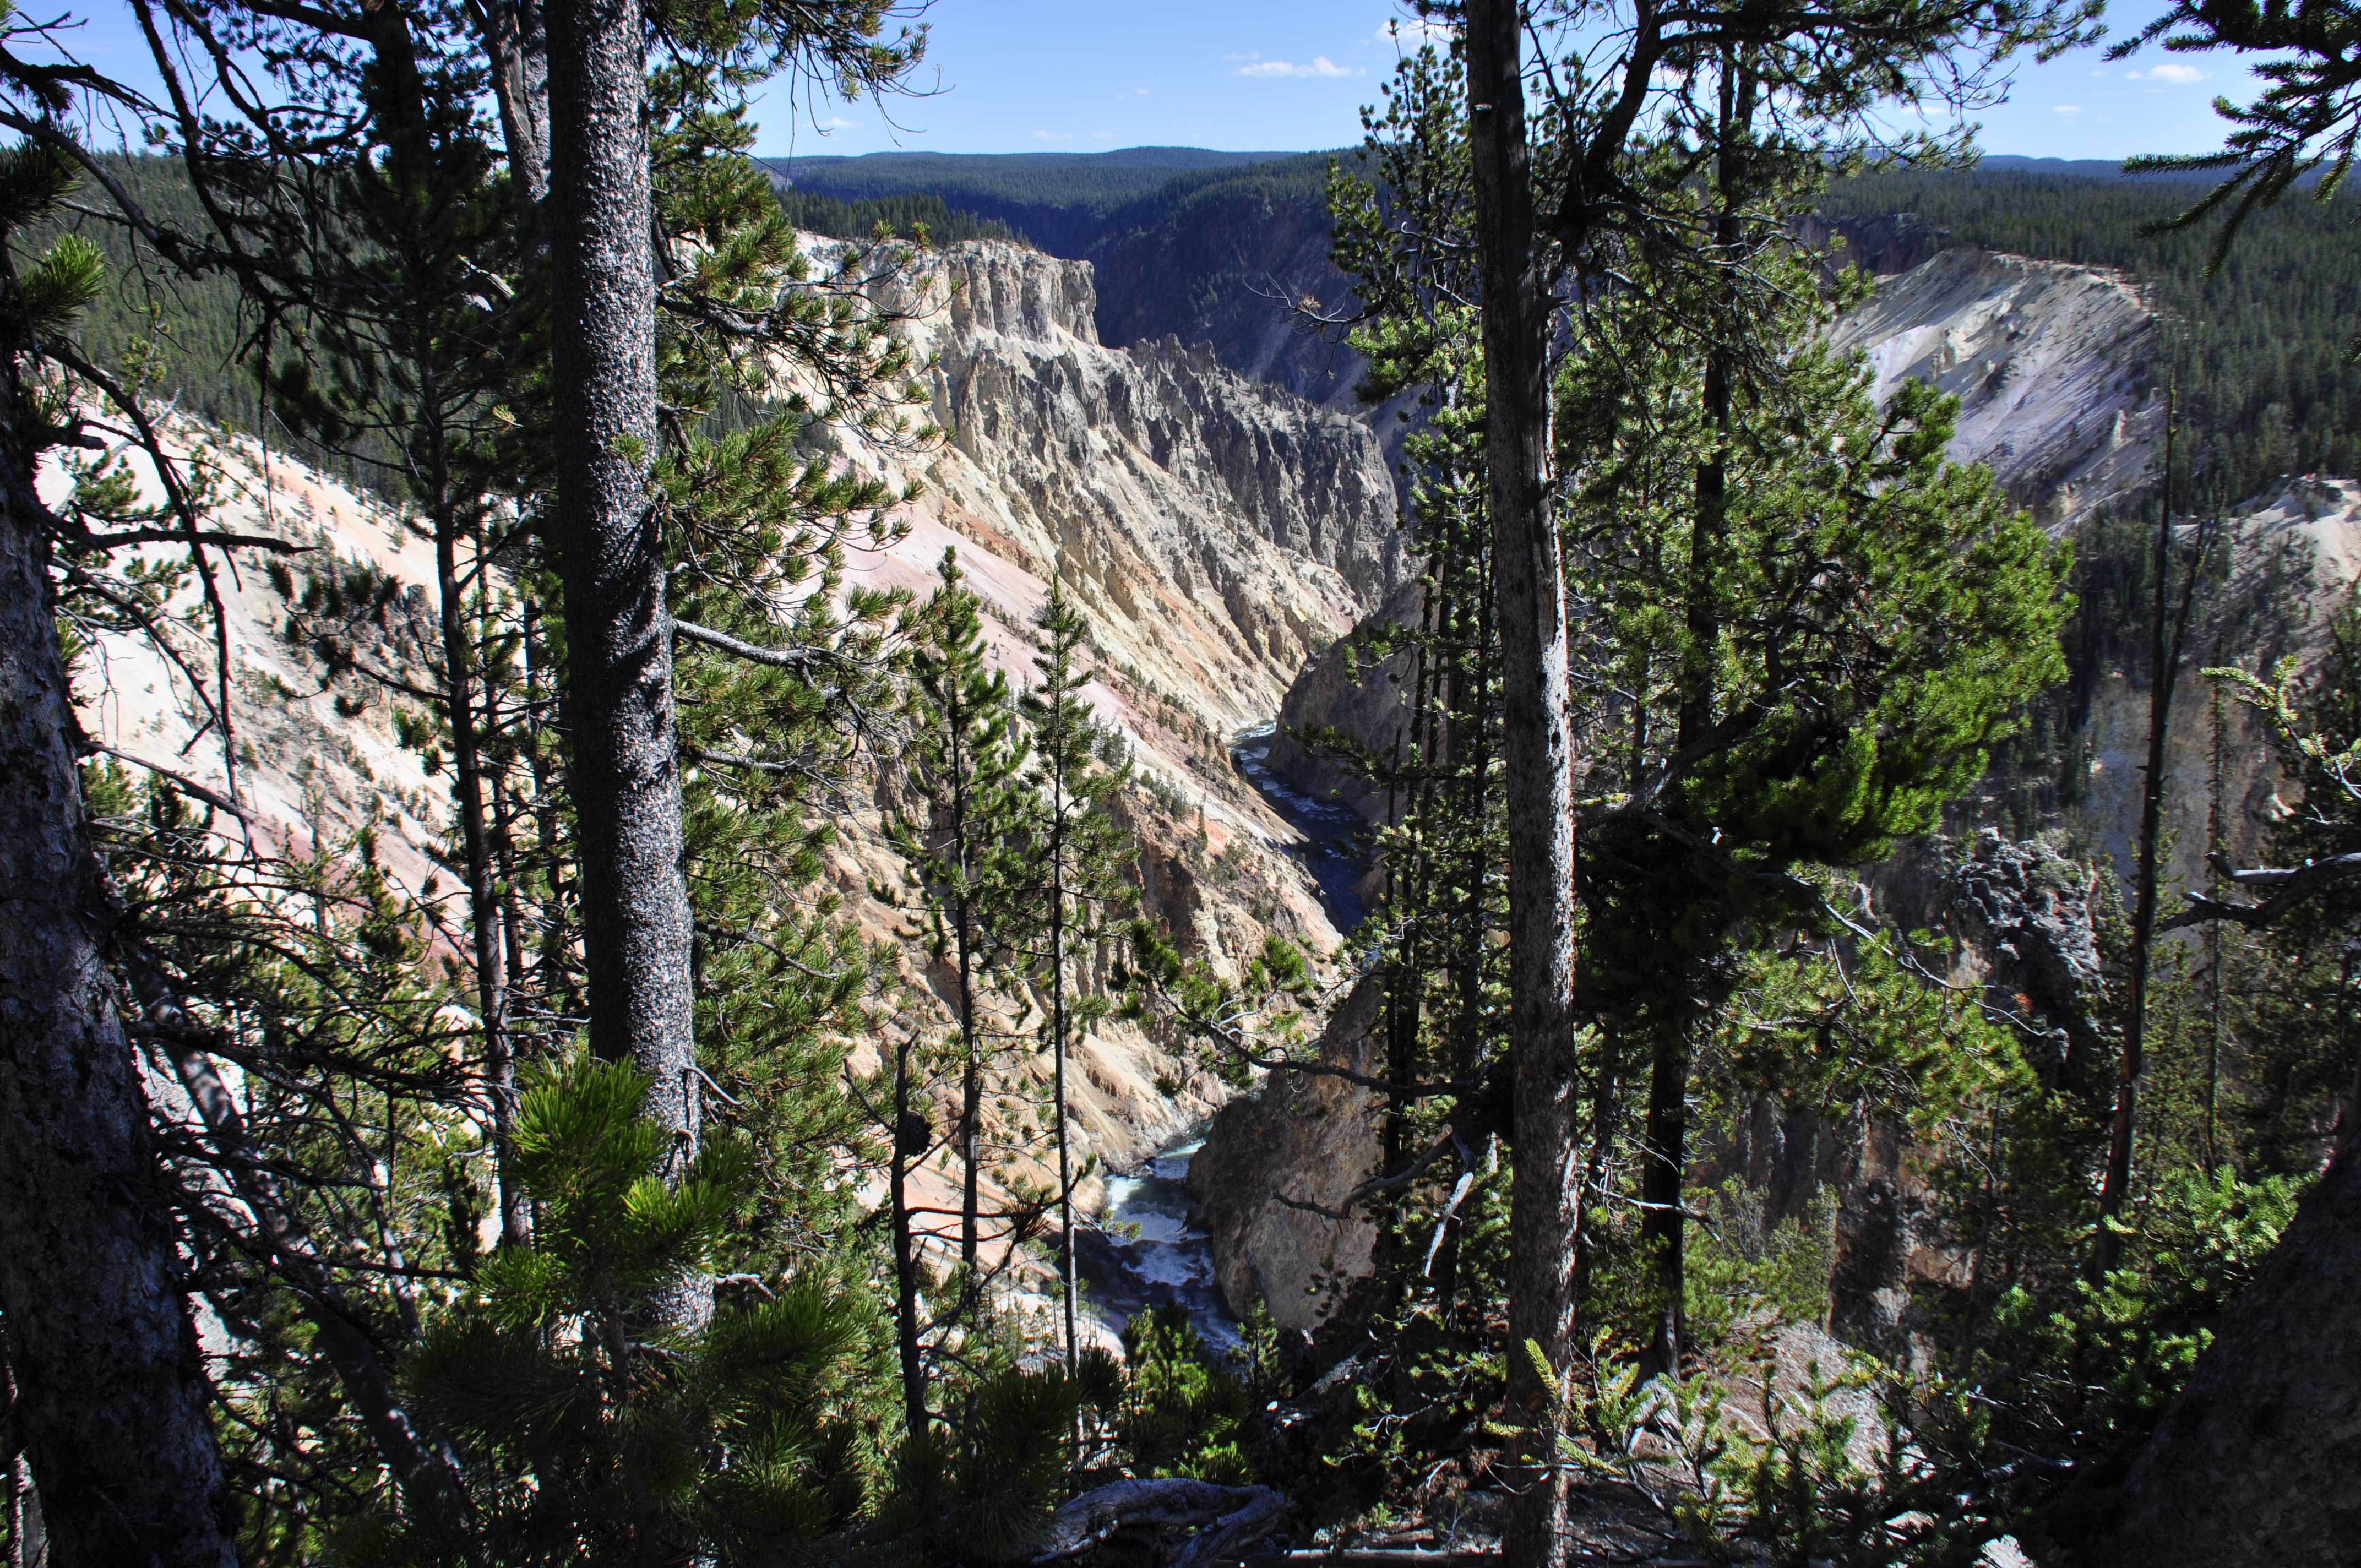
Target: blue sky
<point x="1286" y="75"/>
<point x="1290" y="75"/>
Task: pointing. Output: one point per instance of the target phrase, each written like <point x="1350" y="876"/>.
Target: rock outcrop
<point x="2028" y="916"/>
<point x="1349" y="689"/>
<point x="1304" y="1139"/>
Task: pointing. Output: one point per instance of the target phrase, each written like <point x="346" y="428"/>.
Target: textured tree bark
<point x="626" y="785"/>
<point x="460" y="689"/>
<point x="113" y="1409"/>
<point x="1664" y="1164"/>
<point x="911" y="1136"/>
<point x="2164" y="669"/>
<point x="2253" y="1465"/>
<point x="516" y="45"/>
<point x="28" y="1538"/>
<point x="1537" y="745"/>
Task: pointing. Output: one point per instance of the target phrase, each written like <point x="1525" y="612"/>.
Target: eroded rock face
<point x="1880" y="247"/>
<point x="1220" y="531"/>
<point x="1305" y="1137"/>
<point x="2049" y="362"/>
<point x="1156" y="288"/>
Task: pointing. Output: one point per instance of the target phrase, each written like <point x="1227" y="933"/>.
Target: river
<point x="1143" y="1252"/>
<point x="1333" y="850"/>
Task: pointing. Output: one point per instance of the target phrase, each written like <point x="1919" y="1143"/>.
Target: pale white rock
<point x="2049" y="362"/>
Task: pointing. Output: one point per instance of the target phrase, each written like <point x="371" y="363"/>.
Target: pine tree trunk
<point x="112" y="1407"/>
<point x="910" y="1140"/>
<point x="619" y="698"/>
<point x="460" y="690"/>
<point x="971" y="1130"/>
<point x="1537" y="746"/>
<point x="28" y="1538"/>
<point x="970" y="1112"/>
<point x="1066" y="1269"/>
<point x="1662" y="1230"/>
<point x="2253" y="1465"/>
<point x="2164" y="662"/>
<point x="517" y="46"/>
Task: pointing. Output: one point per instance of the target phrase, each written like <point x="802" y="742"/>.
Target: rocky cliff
<point x="2049" y="362"/>
<point x="1222" y="529"/>
<point x="1273" y="1161"/>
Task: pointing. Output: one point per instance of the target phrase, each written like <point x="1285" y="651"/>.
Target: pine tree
<point x="1624" y="133"/>
<point x="1821" y="625"/>
<point x="1076" y="853"/>
<point x="596" y="1428"/>
<point x="403" y="355"/>
<point x="960" y="784"/>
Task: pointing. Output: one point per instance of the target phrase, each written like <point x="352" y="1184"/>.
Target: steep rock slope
<point x="308" y="769"/>
<point x="2049" y="361"/>
<point x="2295" y="555"/>
<point x="1222" y="529"/>
<point x="2051" y="364"/>
<point x="1228" y="266"/>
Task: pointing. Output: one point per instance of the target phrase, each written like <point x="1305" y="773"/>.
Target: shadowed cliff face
<point x="1307" y="1139"/>
<point x="1232" y="274"/>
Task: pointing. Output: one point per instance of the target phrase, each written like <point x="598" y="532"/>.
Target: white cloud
<point x="2179" y="75"/>
<point x="838" y="123"/>
<point x="1319" y="65"/>
<point x="1053" y="135"/>
<point x="2070" y="108"/>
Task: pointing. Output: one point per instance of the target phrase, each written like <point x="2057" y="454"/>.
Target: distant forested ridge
<point x="2259" y="349"/>
<point x="1055" y="199"/>
<point x="1216" y="247"/>
<point x="185" y="335"/>
<point x="901" y="214"/>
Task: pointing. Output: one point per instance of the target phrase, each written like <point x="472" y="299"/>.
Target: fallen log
<point x="1231" y="1518"/>
<point x="1377" y="1557"/>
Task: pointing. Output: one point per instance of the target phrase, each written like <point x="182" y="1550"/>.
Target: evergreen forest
<point x="669" y="1065"/>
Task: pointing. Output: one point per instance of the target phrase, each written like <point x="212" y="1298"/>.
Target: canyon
<point x="1225" y="533"/>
